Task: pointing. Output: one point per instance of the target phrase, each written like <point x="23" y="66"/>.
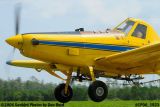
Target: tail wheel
<point x="60" y="93"/>
<point x="98" y="91"/>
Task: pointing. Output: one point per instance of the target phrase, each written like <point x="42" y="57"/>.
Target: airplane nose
<point x="15" y="41"/>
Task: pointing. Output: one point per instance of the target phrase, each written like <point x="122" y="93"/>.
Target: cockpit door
<point x="138" y="35"/>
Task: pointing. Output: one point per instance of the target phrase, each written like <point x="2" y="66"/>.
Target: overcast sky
<point x="66" y="15"/>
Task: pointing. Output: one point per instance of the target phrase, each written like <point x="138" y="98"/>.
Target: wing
<point x="133" y="58"/>
<point x="38" y="65"/>
<point x="29" y="64"/>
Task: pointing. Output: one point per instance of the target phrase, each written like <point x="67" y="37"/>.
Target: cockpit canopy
<point x="127" y="25"/>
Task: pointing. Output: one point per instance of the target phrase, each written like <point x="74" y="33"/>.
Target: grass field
<point x="155" y="103"/>
<point x="112" y="104"/>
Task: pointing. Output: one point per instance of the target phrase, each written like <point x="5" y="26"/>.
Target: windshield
<point x="125" y="27"/>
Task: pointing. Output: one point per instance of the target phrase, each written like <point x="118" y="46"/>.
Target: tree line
<point x="34" y="90"/>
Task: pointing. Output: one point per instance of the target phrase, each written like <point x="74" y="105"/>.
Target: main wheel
<point x="98" y="91"/>
<point x="60" y="93"/>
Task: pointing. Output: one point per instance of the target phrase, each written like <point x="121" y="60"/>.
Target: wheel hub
<point x="62" y="93"/>
<point x="99" y="91"/>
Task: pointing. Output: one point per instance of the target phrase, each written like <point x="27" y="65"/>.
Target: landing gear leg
<point x="91" y="73"/>
<point x="63" y="93"/>
<point x="68" y="80"/>
<point x="97" y="90"/>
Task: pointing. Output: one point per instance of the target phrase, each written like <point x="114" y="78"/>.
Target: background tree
<point x="34" y="90"/>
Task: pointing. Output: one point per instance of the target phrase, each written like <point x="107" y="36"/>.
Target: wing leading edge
<point x="38" y="65"/>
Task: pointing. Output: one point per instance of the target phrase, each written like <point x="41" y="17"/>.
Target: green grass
<point x="84" y="103"/>
<point x="108" y="103"/>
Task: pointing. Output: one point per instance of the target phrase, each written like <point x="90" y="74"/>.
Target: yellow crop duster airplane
<point x="130" y="49"/>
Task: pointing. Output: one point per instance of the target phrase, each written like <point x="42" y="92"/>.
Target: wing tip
<point x="9" y="62"/>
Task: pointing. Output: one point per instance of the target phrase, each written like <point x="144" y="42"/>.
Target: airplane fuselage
<point x="81" y="49"/>
<point x="78" y="50"/>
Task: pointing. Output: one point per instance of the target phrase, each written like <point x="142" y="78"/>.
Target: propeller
<point x="17" y="12"/>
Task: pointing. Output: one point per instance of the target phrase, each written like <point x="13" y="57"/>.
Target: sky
<point x="66" y="15"/>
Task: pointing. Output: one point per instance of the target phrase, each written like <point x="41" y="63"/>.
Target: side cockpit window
<point x="140" y="31"/>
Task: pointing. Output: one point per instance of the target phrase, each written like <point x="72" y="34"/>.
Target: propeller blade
<point x="17" y="18"/>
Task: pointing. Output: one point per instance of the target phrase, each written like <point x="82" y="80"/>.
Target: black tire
<point x="98" y="91"/>
<point x="60" y="95"/>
